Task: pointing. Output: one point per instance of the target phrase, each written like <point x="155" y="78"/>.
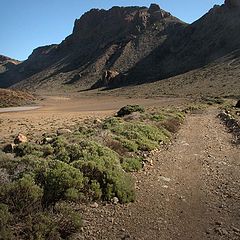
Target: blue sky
<point x="27" y="24"/>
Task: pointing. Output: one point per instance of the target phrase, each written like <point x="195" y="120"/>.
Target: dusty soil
<point x="63" y="112"/>
<point x="191" y="191"/>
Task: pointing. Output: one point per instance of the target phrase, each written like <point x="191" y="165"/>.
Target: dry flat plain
<point x="59" y="112"/>
<point x="189" y="190"/>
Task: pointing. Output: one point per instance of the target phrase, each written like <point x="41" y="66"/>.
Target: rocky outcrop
<point x="232" y="3"/>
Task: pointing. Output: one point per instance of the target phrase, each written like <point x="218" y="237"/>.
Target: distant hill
<point x="127" y="46"/>
<point x="7" y="63"/>
<point x="11" y="98"/>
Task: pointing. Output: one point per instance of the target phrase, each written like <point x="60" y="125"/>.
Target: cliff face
<point x="130" y="45"/>
<point x="206" y="41"/>
<point x="101" y="40"/>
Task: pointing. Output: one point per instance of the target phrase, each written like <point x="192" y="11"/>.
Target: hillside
<point x="10" y="98"/>
<point x="7" y="63"/>
<point x="214" y="38"/>
<point x="131" y="46"/>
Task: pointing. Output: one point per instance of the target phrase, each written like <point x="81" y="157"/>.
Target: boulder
<point x="108" y="76"/>
<point x="20" y="138"/>
<point x="9" y="148"/>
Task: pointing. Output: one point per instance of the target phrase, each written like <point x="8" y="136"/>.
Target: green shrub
<point x="92" y="151"/>
<point x="62" y="155"/>
<point x="131" y="146"/>
<point x="120" y="185"/>
<point x="39" y="226"/>
<point x="113" y="124"/>
<point x="47" y="150"/>
<point x="132" y="164"/>
<point x="5" y="220"/>
<point x="58" y="179"/>
<point x="137" y="135"/>
<point x="68" y="220"/>
<point x="126" y="110"/>
<point x="24" y="149"/>
<point x="113" y="181"/>
<point x="22" y="196"/>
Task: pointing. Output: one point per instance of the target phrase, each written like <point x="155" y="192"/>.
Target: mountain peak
<point x="154" y="8"/>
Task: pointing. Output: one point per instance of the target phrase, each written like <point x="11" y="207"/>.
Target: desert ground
<point x="189" y="189"/>
<point x="58" y="112"/>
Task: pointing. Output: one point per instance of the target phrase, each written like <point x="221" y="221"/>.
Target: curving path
<point x="192" y="191"/>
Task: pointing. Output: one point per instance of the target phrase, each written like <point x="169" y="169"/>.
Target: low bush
<point x="68" y="220"/>
<point x="59" y="181"/>
<point x="22" y="196"/>
<point x="126" y="110"/>
<point x="111" y="180"/>
<point x="132" y="164"/>
<point x="5" y="223"/>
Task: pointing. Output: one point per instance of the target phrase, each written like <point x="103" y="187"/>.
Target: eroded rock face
<point x="108" y="76"/>
<point x="232" y="3"/>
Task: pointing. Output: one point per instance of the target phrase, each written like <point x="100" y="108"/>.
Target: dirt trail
<point x="192" y="191"/>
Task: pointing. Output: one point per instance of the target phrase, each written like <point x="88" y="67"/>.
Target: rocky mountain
<point x="208" y="40"/>
<point x="102" y="40"/>
<point x="133" y="45"/>
<point x="7" y="63"/>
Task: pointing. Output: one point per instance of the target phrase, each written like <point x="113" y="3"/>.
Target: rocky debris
<point x="97" y="121"/>
<point x="20" y="138"/>
<point x="232" y="3"/>
<point x="63" y="131"/>
<point x="232" y="124"/>
<point x="115" y="200"/>
<point x="237" y="104"/>
<point x="9" y="148"/>
<point x="94" y="205"/>
<point x="47" y="140"/>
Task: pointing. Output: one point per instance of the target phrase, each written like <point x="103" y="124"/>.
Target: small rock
<point x="47" y="140"/>
<point x="63" y="131"/>
<point x="115" y="200"/>
<point x="97" y="121"/>
<point x="94" y="205"/>
<point x="20" y="139"/>
<point x="236" y="229"/>
<point x="165" y="179"/>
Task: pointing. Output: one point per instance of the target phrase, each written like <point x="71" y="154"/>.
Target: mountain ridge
<point x="129" y="45"/>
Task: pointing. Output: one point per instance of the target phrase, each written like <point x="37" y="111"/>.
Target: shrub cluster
<point x="39" y="180"/>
